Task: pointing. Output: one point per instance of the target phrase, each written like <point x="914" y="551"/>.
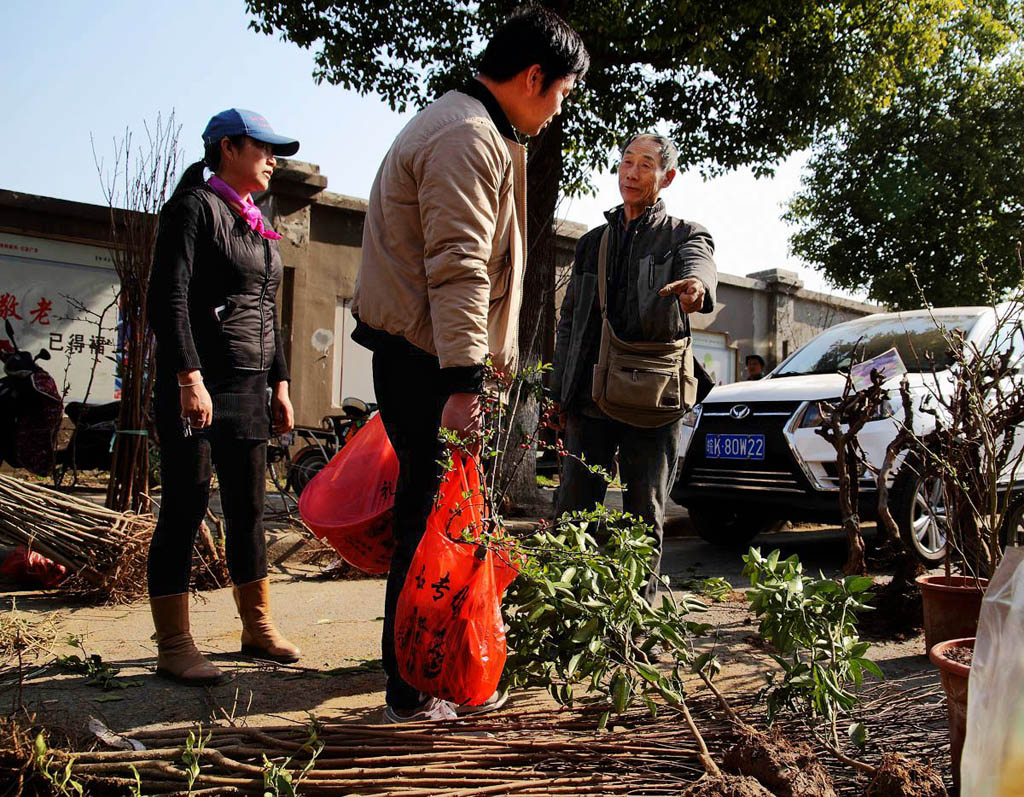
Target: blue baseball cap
<point x="238" y="122"/>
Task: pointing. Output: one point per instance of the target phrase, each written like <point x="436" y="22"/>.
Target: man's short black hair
<point x="535" y="35"/>
<point x="755" y="357"/>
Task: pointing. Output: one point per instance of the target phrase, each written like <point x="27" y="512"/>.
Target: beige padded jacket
<point x="444" y="242"/>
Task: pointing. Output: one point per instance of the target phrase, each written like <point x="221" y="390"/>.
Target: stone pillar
<point x="294" y="188"/>
<point x="780" y="286"/>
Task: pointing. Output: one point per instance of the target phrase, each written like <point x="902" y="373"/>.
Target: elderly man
<point x="659" y="269"/>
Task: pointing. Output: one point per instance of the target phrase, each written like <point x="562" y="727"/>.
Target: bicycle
<point x="291" y="474"/>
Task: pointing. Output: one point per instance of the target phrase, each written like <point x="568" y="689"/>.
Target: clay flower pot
<point x="951" y="607"/>
<point x="954" y="681"/>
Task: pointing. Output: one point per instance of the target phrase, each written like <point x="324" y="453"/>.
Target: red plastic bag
<point x="449" y="632"/>
<point x="349" y="503"/>
<point x="31" y="568"/>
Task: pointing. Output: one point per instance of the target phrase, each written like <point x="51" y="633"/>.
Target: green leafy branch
<point x="576" y="614"/>
<point x="811" y="624"/>
<point x="48" y="765"/>
<point x="278" y="780"/>
<point x="96" y="671"/>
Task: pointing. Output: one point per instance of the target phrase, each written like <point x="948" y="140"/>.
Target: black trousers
<point x="647" y="467"/>
<point x="410" y="400"/>
<point x="186" y="468"/>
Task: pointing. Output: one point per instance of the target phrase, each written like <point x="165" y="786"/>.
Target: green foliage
<point x="576" y="614"/>
<point x="278" y="780"/>
<point x="714" y="588"/>
<point x="741" y="83"/>
<point x="811" y="624"/>
<point x="192" y="754"/>
<point x="930" y="182"/>
<point x="135" y="787"/>
<point x="96" y="671"/>
<point x="48" y="766"/>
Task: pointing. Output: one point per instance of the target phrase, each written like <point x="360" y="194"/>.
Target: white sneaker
<point x="432" y="709"/>
<point x="493" y="703"/>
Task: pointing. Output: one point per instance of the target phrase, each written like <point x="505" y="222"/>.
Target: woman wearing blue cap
<point x="216" y="271"/>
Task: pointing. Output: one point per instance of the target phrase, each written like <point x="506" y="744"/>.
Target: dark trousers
<point x="647" y="466"/>
<point x="185" y="471"/>
<point x="410" y="400"/>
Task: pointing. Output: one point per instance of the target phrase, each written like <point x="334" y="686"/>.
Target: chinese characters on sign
<point x="61" y="296"/>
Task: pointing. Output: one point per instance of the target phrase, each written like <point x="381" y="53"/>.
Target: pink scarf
<point x="244" y="208"/>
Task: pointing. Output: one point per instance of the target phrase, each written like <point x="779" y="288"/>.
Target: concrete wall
<point x="771" y="314"/>
<point x="767" y="312"/>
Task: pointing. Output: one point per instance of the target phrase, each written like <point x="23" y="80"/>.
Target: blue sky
<point x="72" y="68"/>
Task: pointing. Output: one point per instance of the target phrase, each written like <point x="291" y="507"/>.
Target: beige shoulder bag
<point x="642" y="384"/>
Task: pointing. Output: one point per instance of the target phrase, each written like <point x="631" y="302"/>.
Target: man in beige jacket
<point x="440" y="283"/>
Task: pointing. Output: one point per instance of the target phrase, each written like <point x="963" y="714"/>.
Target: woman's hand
<point x="281" y="409"/>
<point x="196" y="404"/>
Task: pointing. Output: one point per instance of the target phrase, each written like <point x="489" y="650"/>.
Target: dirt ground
<point x="337" y="623"/>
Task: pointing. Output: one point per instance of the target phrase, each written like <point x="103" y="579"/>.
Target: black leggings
<point x="185" y="469"/>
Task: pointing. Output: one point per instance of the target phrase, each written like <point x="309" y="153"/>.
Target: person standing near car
<point x="755" y="367"/>
<point x="216" y="271"/>
<point x="440" y="283"/>
<point x="658" y="270"/>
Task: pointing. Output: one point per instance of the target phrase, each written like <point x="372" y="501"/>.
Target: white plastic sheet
<point x="993" y="757"/>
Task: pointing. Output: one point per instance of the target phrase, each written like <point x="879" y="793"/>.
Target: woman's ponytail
<point x="193" y="176"/>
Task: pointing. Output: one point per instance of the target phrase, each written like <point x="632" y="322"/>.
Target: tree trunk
<point x="537" y="315"/>
<point x="846" y="457"/>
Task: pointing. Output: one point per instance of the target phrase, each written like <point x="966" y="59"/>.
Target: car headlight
<point x="691" y="417"/>
<point x="812" y="416"/>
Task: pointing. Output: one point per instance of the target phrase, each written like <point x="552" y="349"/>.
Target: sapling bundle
<point x="812" y="626"/>
<point x="103" y="550"/>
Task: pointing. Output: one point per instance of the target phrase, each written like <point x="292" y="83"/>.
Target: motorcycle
<point x="90" y="444"/>
<point x="31" y="408"/>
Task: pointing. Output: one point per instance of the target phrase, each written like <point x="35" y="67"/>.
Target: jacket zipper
<point x="263" y="296"/>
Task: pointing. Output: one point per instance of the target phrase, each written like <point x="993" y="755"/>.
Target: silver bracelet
<point x="191" y="384"/>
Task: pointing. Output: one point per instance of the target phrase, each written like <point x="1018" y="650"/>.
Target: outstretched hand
<point x="690" y="292"/>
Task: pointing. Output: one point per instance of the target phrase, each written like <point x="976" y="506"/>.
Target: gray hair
<point x="667" y="149"/>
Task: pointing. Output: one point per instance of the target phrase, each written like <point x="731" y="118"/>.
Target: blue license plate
<point x="734" y="446"/>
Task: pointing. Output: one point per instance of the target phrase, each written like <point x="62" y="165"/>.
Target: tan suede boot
<point x="259" y="637"/>
<point x="177" y="657"/>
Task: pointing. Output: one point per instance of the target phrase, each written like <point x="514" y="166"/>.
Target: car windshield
<point x="920" y="343"/>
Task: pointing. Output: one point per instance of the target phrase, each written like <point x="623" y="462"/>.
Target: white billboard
<point x="61" y="296"/>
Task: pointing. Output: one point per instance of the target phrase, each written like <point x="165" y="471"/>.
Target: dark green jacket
<point x="664" y="249"/>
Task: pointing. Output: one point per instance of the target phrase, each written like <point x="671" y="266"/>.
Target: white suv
<point x="750" y="457"/>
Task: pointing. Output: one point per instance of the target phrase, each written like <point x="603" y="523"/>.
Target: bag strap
<point x="602" y="272"/>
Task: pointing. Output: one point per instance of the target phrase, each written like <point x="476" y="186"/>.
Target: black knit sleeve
<point x="279" y="367"/>
<point x="173" y="259"/>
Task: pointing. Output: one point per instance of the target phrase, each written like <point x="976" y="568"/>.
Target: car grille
<point x="777" y="472"/>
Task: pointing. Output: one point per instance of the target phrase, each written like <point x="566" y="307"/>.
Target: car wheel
<point x="306" y="464"/>
<point x="918" y="506"/>
<point x="731" y="528"/>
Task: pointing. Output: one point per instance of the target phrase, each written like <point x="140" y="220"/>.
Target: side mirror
<point x="10" y="332"/>
<point x="44" y="354"/>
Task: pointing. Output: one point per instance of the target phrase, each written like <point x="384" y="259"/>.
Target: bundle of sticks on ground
<point x="523" y="752"/>
<point x="103" y="550"/>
